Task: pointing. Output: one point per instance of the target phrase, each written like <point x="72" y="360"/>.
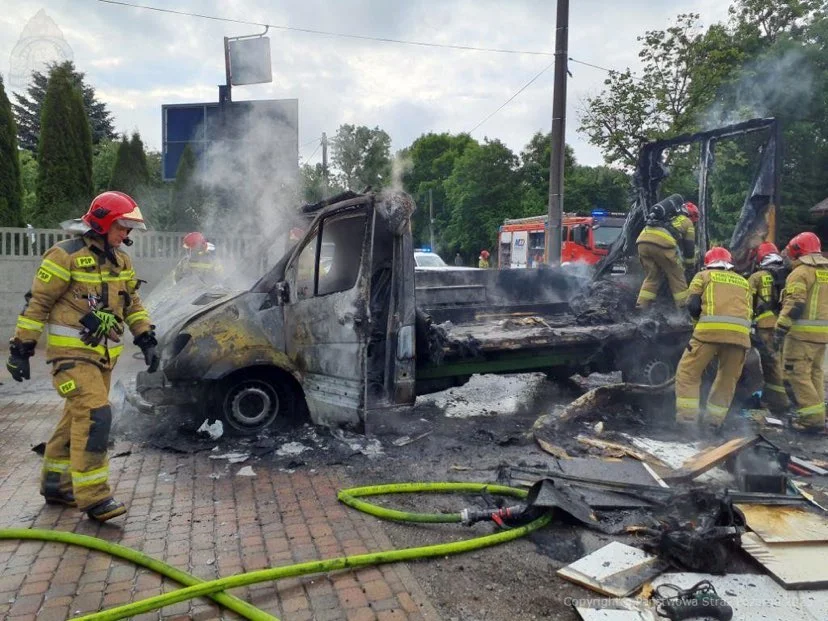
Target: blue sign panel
<point x="208" y="129"/>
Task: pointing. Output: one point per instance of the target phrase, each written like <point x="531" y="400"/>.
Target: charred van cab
<point x="311" y="333"/>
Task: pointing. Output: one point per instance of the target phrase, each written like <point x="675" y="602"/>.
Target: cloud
<point x="141" y="59"/>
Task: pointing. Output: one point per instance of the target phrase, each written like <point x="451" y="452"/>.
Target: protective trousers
<point x="660" y="263"/>
<point x="691" y="367"/>
<point x="773" y="394"/>
<point x="802" y="362"/>
<point x="75" y="457"/>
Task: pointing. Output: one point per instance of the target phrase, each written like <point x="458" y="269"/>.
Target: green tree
<point x="534" y="174"/>
<point x="314" y="186"/>
<point x="362" y="156"/>
<point x="188" y="197"/>
<point x="28" y="174"/>
<point x="432" y="158"/>
<point x="682" y="68"/>
<point x="64" y="183"/>
<point x="482" y="191"/>
<point x="28" y="108"/>
<point x="130" y="169"/>
<point x="103" y="160"/>
<point x="11" y="188"/>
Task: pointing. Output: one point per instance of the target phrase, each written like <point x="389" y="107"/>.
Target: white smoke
<point x="252" y="184"/>
<point x="763" y="86"/>
<point x="400" y="166"/>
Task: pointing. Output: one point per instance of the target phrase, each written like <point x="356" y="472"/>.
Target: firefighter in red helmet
<point x="200" y="259"/>
<point x="802" y="331"/>
<point x="720" y="302"/>
<point x="83" y="295"/>
<point x="766" y="284"/>
<point x="483" y="260"/>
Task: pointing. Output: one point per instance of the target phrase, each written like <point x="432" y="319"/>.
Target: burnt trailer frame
<point x="757" y="220"/>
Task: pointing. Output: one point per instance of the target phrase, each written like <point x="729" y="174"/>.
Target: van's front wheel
<point x="255" y="402"/>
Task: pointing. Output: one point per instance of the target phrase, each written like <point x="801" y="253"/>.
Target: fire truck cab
<point x="584" y="239"/>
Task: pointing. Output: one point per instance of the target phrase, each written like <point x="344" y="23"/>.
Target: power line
<point x="307" y="161"/>
<point x="508" y="101"/>
<point x="329" y="33"/>
<point x="304" y="144"/>
<point x="607" y="69"/>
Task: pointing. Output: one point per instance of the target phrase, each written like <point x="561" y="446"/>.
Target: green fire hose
<point x="194" y="587"/>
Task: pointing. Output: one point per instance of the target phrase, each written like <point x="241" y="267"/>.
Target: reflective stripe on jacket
<point x="806" y="290"/>
<point x="726" y="307"/>
<point x="765" y="302"/>
<point x="75" y="277"/>
<point x="663" y="237"/>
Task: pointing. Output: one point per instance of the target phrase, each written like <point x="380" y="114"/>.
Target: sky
<point x="138" y="60"/>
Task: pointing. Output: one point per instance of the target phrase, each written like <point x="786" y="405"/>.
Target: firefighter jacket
<point x="201" y="263"/>
<point x="765" y="298"/>
<point x="679" y="233"/>
<point x="805" y="300"/>
<point x="722" y="303"/>
<point x="75" y="277"/>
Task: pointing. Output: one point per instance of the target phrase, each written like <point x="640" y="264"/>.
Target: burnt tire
<point x="253" y="402"/>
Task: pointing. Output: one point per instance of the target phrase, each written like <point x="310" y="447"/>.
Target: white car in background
<point x="425" y="261"/>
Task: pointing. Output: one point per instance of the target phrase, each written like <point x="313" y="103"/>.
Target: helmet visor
<point x="132" y="224"/>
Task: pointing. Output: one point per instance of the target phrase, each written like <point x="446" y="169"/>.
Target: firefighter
<point x="669" y="233"/>
<point x="802" y="331"/>
<point x="483" y="260"/>
<point x="720" y="302"/>
<point x="766" y="285"/>
<point x="199" y="260"/>
<point x="83" y="294"/>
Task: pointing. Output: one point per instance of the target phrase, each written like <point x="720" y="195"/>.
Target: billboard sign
<point x="266" y="126"/>
<point x="249" y="61"/>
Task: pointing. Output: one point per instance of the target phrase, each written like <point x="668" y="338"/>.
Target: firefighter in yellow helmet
<point x="720" y="302"/>
<point x="82" y="295"/>
<point x="802" y="327"/>
<point x="766" y="285"/>
<point x="666" y="249"/>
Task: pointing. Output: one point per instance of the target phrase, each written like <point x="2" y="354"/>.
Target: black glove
<point x="779" y="337"/>
<point x="19" y="354"/>
<point x="148" y="345"/>
<point x="98" y="325"/>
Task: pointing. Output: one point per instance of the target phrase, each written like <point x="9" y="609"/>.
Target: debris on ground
<point x="616" y="569"/>
<point x="246" y="471"/>
<point x="603" y="397"/>
<point x="793" y="565"/>
<point x="291" y="449"/>
<point x="709" y="458"/>
<point x="406" y="440"/>
<point x="233" y="458"/>
<point x="756" y="596"/>
<point x="40" y="449"/>
<point x="213" y="430"/>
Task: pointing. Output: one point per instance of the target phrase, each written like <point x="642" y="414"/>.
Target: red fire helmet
<point x="802" y="244"/>
<point x="112" y="207"/>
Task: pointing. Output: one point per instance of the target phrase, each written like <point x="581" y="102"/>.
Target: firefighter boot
<point x="731" y="360"/>
<point x="693" y="362"/>
<point x="803" y="374"/>
<point x="106" y="510"/>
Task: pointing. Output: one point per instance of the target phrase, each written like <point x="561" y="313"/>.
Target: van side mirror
<point x="282" y="292"/>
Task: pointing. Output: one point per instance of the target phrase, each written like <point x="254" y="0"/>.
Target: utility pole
<point x="431" y="219"/>
<point x="325" y="162"/>
<point x="556" y="160"/>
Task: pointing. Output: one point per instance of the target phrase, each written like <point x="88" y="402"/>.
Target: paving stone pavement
<point x="210" y="527"/>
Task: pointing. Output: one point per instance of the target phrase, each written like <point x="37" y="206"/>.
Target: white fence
<point x="154" y="254"/>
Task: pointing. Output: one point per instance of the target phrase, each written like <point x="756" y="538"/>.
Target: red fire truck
<point x="586" y="239"/>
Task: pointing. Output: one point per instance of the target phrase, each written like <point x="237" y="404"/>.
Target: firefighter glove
<point x="99" y="325"/>
<point x="18" y="363"/>
<point x="149" y="347"/>
<point x="779" y="337"/>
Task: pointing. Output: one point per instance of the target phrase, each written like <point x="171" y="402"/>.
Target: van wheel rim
<point x="253" y="404"/>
